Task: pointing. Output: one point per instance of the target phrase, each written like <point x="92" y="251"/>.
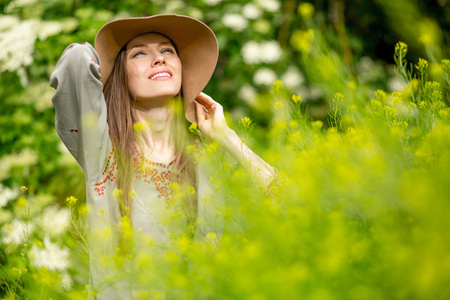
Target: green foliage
<point x="358" y="210"/>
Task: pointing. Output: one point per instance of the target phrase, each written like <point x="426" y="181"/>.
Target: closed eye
<point x="169" y="50"/>
<point x="138" y="53"/>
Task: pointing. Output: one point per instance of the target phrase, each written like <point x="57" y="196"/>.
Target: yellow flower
<point x="71" y="201"/>
<point x="138" y="126"/>
<point x="193" y="128"/>
<point x="245" y="122"/>
<point x="22" y="202"/>
<point x="190" y="190"/>
<point x="117" y="192"/>
<point x="301" y="40"/>
<point x="422" y="65"/>
<point x="277" y="87"/>
<point x="306" y="10"/>
<point x="446" y="65"/>
<point x="278" y="105"/>
<point x="297" y="98"/>
<point x="211" y="236"/>
<point x="402" y="47"/>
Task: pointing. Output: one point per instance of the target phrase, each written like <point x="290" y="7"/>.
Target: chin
<point x="158" y="96"/>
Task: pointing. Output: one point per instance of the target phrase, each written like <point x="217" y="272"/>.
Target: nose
<point x="159" y="60"/>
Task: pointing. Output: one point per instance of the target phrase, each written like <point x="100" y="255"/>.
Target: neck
<point x="156" y="135"/>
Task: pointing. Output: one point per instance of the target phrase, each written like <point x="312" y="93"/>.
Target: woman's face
<point x="153" y="68"/>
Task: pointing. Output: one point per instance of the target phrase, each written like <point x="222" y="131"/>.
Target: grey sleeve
<point x="81" y="109"/>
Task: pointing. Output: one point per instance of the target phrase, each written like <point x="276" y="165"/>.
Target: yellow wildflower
<point x="71" y="201"/>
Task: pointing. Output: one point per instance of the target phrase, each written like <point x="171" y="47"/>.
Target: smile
<point x="160" y="75"/>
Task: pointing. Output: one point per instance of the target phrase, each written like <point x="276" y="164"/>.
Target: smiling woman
<point x="128" y="101"/>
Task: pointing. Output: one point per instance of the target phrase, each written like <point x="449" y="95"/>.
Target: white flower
<point x="51" y="256"/>
<point x="7" y="194"/>
<point x="16" y="43"/>
<point x="70" y="24"/>
<point x="250" y="11"/>
<point x="315" y="93"/>
<point x="17" y="232"/>
<point x="368" y="70"/>
<point x="49" y="28"/>
<point x="212" y="2"/>
<point x="173" y="6"/>
<point x="55" y="221"/>
<point x="270" y="52"/>
<point x="293" y="78"/>
<point x="248" y="94"/>
<point x="25" y="158"/>
<point x="264" y="76"/>
<point x="235" y="22"/>
<point x="66" y="281"/>
<point x="19" y="3"/>
<point x="251" y="53"/>
<point x="395" y="84"/>
<point x="6" y="22"/>
<point x="269" y="5"/>
<point x="195" y="13"/>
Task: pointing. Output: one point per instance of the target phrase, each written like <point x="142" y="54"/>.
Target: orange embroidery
<point x="157" y="174"/>
<point x="161" y="179"/>
<point x="110" y="164"/>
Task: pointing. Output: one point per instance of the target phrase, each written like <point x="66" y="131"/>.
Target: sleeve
<point x="80" y="107"/>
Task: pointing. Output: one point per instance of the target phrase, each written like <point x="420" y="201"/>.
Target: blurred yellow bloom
<point x="306" y="10"/>
<point x="301" y="40"/>
<point x="436" y="71"/>
<point x="117" y="192"/>
<point x="22" y="202"/>
<point x="422" y="64"/>
<point x="317" y="124"/>
<point x="297" y="98"/>
<point x="138" y="126"/>
<point x="278" y="105"/>
<point x="184" y="243"/>
<point x="401" y="47"/>
<point x="193" y="128"/>
<point x="245" y="122"/>
<point x="71" y="201"/>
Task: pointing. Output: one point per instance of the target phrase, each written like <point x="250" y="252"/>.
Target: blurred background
<point x="366" y="151"/>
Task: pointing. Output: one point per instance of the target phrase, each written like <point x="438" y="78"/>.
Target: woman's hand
<point x="211" y="120"/>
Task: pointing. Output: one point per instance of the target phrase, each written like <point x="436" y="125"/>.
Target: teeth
<point x="160" y="75"/>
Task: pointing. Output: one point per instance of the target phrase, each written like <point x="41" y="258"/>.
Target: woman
<point x="117" y="112"/>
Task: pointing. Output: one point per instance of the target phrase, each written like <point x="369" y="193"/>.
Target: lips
<point x="160" y="75"/>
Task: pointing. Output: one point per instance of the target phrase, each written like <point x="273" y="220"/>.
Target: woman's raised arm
<point x="80" y="108"/>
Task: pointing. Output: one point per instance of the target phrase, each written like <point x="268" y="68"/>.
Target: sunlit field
<point x="358" y="210"/>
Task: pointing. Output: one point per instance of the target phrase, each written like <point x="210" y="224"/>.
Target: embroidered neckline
<point x="138" y="156"/>
<point x="154" y="173"/>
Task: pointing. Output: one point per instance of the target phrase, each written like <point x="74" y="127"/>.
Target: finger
<point x="206" y="100"/>
<point x="201" y="113"/>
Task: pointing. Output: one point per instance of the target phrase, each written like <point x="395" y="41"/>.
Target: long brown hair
<point x="121" y="117"/>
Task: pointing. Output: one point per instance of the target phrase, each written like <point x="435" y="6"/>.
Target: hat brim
<point x="195" y="42"/>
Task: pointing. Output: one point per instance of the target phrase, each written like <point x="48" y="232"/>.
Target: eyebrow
<point x="144" y="45"/>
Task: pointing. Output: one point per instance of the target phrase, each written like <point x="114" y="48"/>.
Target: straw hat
<point x="195" y="42"/>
